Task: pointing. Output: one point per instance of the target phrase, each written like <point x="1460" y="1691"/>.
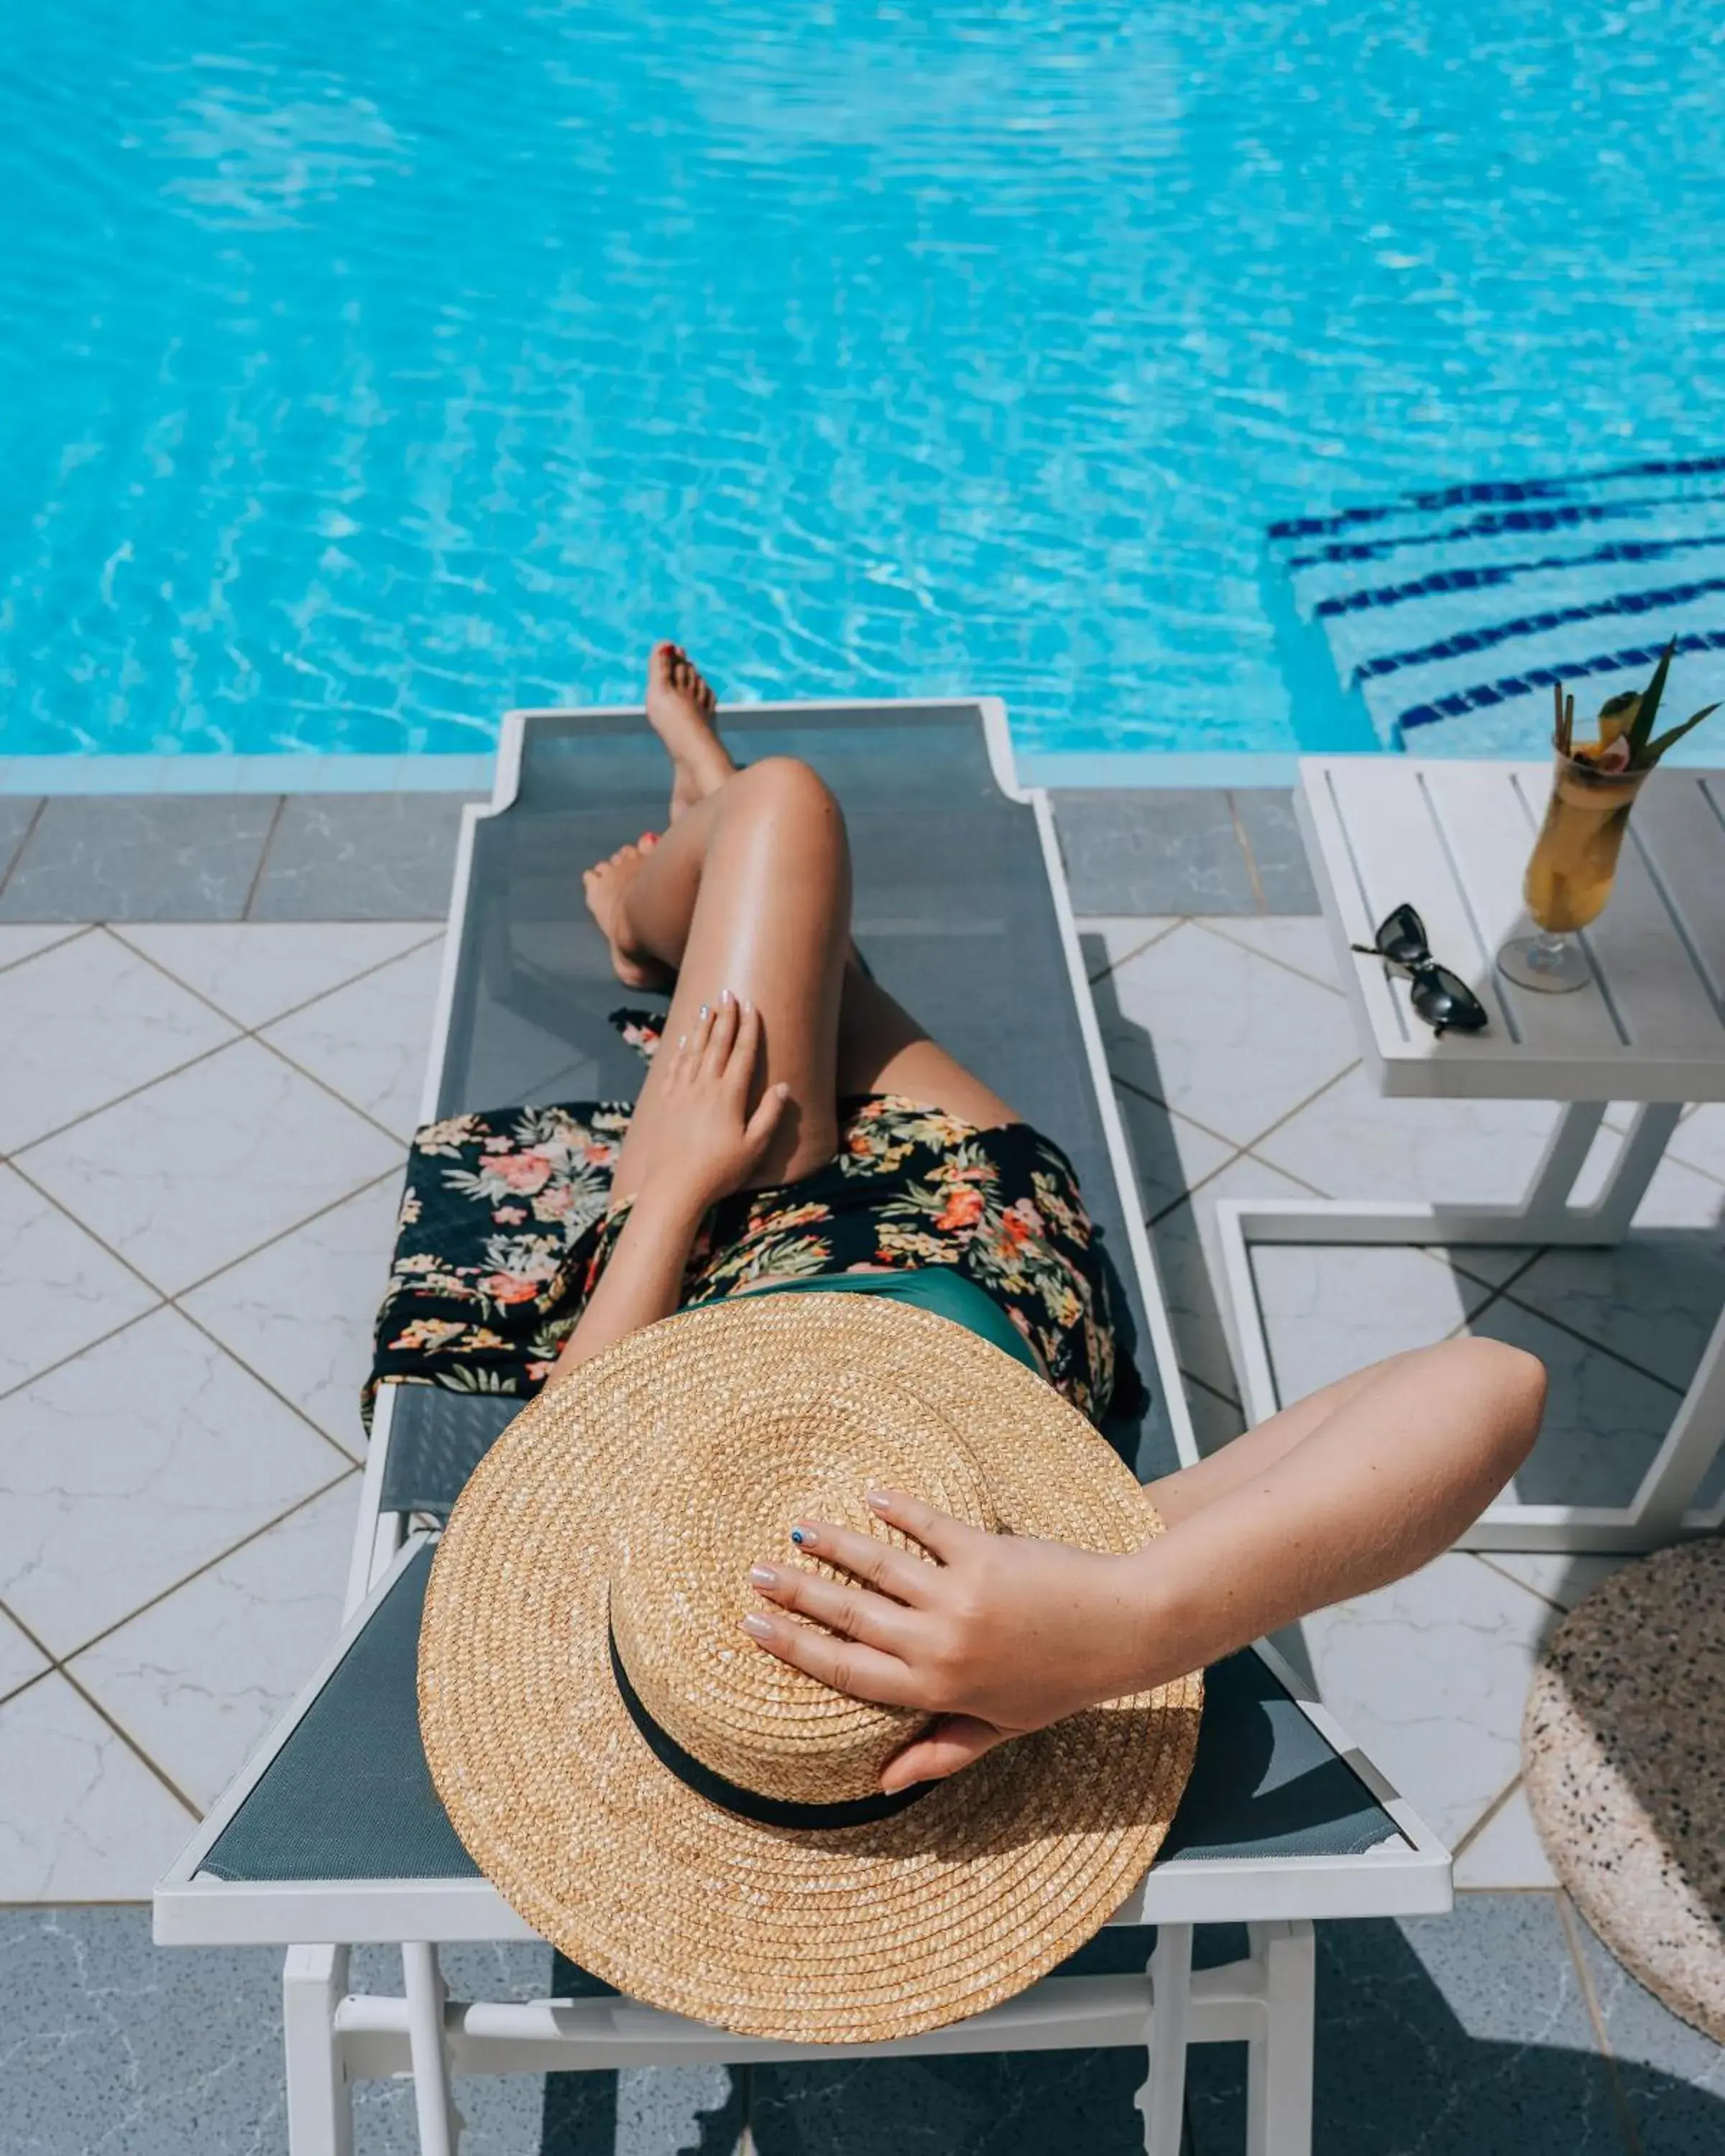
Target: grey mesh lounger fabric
<point x="954" y="915"/>
<point x="349" y="1794"/>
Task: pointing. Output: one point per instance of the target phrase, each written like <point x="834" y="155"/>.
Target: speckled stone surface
<point x="1623" y="1749"/>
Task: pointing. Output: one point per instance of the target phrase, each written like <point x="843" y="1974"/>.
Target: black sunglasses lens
<point x="1441" y="998"/>
<point x="1401" y="937"/>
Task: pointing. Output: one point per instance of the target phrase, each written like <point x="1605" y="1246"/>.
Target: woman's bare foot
<point x="606" y="884"/>
<point x="680" y="706"/>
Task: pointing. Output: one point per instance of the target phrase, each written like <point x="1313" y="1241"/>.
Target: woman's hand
<point x="710" y="1144"/>
<point x="1001" y="1635"/>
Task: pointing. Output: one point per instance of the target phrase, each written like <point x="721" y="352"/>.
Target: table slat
<point x="1665" y="1003"/>
<point x="1490" y="813"/>
<point x="1681" y="836"/>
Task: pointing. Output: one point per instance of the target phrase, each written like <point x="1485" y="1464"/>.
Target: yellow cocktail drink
<point x="1574" y="860"/>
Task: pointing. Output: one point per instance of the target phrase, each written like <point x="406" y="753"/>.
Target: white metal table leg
<point x="1546" y="1198"/>
<point x="320" y="2104"/>
<point x="1691" y="1446"/>
<point x="1162" y="2098"/>
<point x="1279" y="2059"/>
<point x="1610" y="1214"/>
<point x="1660" y="1510"/>
<point x="426" y="2048"/>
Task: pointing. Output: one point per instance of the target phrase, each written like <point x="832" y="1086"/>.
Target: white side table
<point x="1453" y="839"/>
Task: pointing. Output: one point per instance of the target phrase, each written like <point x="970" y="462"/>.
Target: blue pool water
<point x="365" y="370"/>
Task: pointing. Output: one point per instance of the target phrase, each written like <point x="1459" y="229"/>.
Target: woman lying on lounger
<point x="798" y="1128"/>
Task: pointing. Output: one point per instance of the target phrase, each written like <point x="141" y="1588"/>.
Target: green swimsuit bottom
<point x="942" y="1289"/>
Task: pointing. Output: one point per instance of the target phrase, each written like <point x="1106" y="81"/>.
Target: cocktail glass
<point x="1570" y="873"/>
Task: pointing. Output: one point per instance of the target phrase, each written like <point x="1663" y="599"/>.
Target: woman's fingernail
<point x="877" y="1501"/>
<point x="682" y="1040"/>
<point x="757" y="1626"/>
<point x="703" y="1010"/>
<point x="763" y="1575"/>
<point x="804" y="1537"/>
<point x="727" y="997"/>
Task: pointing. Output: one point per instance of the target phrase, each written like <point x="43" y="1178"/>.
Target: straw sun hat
<point x="696" y="1821"/>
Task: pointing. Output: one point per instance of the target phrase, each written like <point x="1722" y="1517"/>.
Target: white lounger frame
<point x="334" y="2038"/>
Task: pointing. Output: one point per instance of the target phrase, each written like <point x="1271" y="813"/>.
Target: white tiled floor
<point x="85" y="1022"/>
<point x="367" y="1040"/>
<point x="168" y="1675"/>
<point x="1237" y="1077"/>
<point x="178" y="1477"/>
<point x="205" y="1127"/>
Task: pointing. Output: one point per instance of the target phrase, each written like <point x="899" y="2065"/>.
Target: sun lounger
<point x="332" y="1835"/>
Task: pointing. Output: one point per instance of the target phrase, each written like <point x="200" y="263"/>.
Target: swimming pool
<point x="364" y="371"/>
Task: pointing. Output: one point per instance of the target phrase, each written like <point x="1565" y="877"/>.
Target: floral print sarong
<point x="507" y="1222"/>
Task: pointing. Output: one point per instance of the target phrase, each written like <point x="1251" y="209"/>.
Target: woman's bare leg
<point x="749" y="890"/>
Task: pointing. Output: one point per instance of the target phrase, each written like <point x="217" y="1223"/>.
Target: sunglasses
<point x="1439" y="997"/>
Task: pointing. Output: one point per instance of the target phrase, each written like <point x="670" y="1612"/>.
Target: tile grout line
<point x="118" y="931"/>
<point x="1204" y="1384"/>
<point x="257" y="1032"/>
<point x="269" y="1243"/>
<point x="1138" y="951"/>
<point x="257" y="1377"/>
<point x="132" y="1743"/>
<point x="95" y="1901"/>
<point x="1241" y="1152"/>
<point x="36" y="816"/>
<point x="1179" y="1114"/>
<point x="1502" y="1294"/>
<point x="1497" y="1803"/>
<point x="204" y="1055"/>
<point x="324" y="1085"/>
<point x="74" y="929"/>
<point x="57" y="1668"/>
<point x="84" y="1348"/>
<point x="253" y="887"/>
<point x="1216" y="924"/>
<point x="1567" y="1923"/>
<point x="1245" y="846"/>
<point x="27" y="1684"/>
<point x="252" y="1535"/>
<point x="59" y="1664"/>
<point x="170" y="1301"/>
<point x="1539" y="1594"/>
<point x="1599" y="1346"/>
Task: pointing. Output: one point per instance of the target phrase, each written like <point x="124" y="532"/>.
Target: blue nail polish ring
<point x="797" y="1536"/>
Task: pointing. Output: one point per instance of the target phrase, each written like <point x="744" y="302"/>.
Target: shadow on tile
<point x="1163" y="1175"/>
<point x="1664" y="2066"/>
<point x="1457" y="2036"/>
<point x="1464" y="2035"/>
<point x="1029" y="2104"/>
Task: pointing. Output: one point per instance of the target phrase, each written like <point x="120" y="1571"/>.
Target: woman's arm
<point x="712" y="1145"/>
<point x="1002" y="1635"/>
<point x="643" y="1280"/>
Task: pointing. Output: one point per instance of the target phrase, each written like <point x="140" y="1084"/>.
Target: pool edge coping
<point x="1077" y="770"/>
